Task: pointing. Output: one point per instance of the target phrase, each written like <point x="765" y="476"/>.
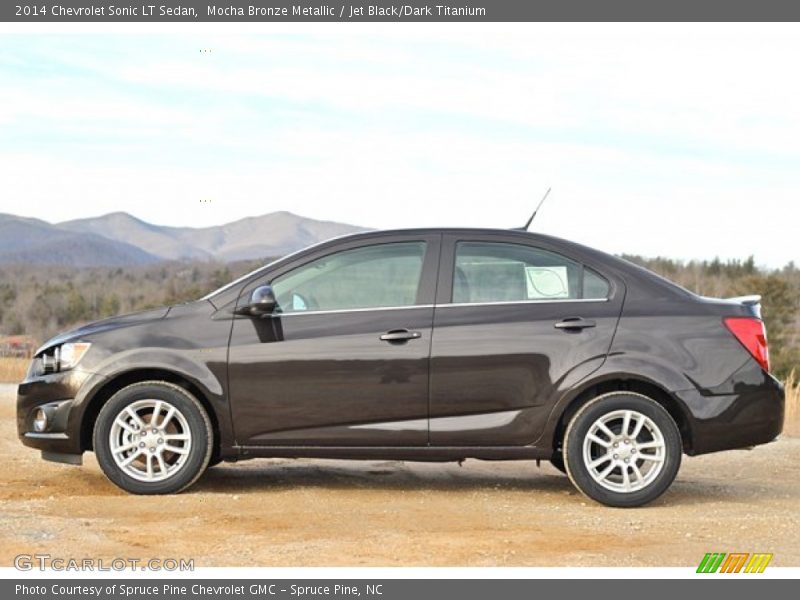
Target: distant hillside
<point x="36" y="242"/>
<point x="163" y="242"/>
<point x="120" y="239"/>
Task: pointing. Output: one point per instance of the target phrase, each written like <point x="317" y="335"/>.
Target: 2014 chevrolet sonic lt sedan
<point x="425" y="345"/>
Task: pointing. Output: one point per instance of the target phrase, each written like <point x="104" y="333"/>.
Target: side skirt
<point x="420" y="453"/>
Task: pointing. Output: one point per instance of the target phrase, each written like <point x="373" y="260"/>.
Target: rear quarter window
<point x="595" y="286"/>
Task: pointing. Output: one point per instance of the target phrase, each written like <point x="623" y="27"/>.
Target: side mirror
<point x="262" y="302"/>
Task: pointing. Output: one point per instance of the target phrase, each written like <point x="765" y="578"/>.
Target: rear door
<point x="515" y="325"/>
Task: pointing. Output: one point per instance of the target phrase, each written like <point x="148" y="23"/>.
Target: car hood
<point x="105" y="325"/>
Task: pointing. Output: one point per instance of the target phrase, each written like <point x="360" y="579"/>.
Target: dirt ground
<point x="323" y="513"/>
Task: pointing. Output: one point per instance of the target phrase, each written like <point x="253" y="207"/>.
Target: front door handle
<point x="575" y="323"/>
<point x="400" y="335"/>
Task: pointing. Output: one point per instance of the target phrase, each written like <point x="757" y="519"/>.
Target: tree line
<point x="42" y="300"/>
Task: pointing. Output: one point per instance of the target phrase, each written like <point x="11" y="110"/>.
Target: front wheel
<point x="153" y="437"/>
<point x="622" y="449"/>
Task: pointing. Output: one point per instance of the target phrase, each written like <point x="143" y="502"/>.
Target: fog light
<point x="40" y="420"/>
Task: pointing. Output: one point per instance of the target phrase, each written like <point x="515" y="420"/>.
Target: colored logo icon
<point x="735" y="562"/>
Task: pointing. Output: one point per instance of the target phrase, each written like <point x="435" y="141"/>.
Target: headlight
<point x="71" y="354"/>
<point x="63" y="357"/>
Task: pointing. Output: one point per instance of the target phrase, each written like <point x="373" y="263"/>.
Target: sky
<point x="661" y="140"/>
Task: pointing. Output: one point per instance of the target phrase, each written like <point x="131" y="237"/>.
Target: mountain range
<point x="120" y="239"/>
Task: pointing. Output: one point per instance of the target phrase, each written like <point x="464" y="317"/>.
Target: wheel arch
<point x="640" y="385"/>
<point x="126" y="378"/>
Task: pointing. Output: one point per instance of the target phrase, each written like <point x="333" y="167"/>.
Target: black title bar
<point x="408" y="11"/>
<point x="376" y="589"/>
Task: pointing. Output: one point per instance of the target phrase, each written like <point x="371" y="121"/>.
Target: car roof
<point x="413" y="230"/>
<point x="478" y="231"/>
<point x="456" y="231"/>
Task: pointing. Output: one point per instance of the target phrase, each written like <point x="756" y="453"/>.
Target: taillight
<point x="752" y="334"/>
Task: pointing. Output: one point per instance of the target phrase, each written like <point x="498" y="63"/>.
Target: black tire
<point x="606" y="406"/>
<point x="194" y="418"/>
<point x="557" y="461"/>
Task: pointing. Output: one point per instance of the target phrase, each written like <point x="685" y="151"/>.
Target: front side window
<point x="500" y="272"/>
<point x="377" y="276"/>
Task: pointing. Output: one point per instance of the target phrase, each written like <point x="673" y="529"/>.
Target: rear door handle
<point x="400" y="335"/>
<point x="575" y="323"/>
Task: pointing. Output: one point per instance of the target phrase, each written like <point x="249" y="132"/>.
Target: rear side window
<point x="501" y="272"/>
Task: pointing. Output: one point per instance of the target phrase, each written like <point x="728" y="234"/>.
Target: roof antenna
<point x="528" y="224"/>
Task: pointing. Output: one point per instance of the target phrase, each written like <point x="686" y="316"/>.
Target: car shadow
<point x="260" y="476"/>
<point x="377" y="475"/>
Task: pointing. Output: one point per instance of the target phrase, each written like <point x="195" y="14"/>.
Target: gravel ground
<point x="321" y="513"/>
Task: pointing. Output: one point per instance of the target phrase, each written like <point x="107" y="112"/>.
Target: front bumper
<point x="58" y="394"/>
<point x="746" y="410"/>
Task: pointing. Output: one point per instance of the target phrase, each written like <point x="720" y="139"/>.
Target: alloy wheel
<point x="150" y="440"/>
<point x="624" y="451"/>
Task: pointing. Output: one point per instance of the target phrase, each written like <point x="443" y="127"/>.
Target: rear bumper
<point x="746" y="410"/>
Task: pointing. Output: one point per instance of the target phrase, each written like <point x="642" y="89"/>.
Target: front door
<point x="344" y="359"/>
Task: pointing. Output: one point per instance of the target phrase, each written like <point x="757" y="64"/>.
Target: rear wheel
<point x="153" y="437"/>
<point x="622" y="449"/>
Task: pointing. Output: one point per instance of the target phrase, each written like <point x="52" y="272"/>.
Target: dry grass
<point x="792" y="424"/>
<point x="12" y="370"/>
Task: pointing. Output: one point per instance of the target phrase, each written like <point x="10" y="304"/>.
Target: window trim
<point x="280" y="315"/>
<point x="506" y="302"/>
<point x="443" y="305"/>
